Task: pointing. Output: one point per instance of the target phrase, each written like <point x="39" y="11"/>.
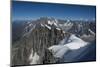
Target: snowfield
<point x="34" y="59"/>
<point x="74" y="43"/>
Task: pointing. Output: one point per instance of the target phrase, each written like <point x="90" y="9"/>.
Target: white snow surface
<point x="49" y="22"/>
<point x="52" y="22"/>
<point x="58" y="28"/>
<point x="55" y="24"/>
<point x="75" y="43"/>
<point x="64" y="32"/>
<point x="30" y="24"/>
<point x="34" y="59"/>
<point x="91" y="32"/>
<point x="48" y="26"/>
<point x="58" y="50"/>
<point x="42" y="25"/>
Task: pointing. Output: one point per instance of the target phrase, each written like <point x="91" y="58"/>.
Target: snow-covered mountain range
<point x="49" y="40"/>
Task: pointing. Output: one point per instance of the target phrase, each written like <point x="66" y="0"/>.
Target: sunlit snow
<point x="74" y="44"/>
<point x="48" y="26"/>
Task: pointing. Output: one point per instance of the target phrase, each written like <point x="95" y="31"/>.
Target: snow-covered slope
<point x="74" y="44"/>
<point x="53" y="22"/>
<point x="52" y="39"/>
<point x="86" y="53"/>
<point x="34" y="59"/>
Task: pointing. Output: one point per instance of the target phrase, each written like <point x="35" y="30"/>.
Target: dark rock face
<point x="39" y="40"/>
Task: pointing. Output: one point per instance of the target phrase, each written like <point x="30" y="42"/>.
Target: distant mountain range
<point x="32" y="39"/>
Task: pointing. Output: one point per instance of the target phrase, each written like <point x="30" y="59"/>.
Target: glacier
<point x="74" y="44"/>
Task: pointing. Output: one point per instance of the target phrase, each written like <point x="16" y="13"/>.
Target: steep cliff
<point x="37" y="40"/>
